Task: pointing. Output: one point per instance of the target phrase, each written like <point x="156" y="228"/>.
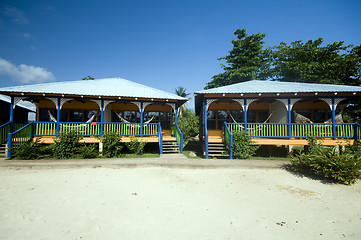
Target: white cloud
<point x="16" y="15"/>
<point x="27" y="35"/>
<point x="25" y="73"/>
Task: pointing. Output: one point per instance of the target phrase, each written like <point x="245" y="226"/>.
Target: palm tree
<point x="180" y="91"/>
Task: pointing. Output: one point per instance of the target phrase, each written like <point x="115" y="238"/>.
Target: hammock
<point x="237" y="122"/>
<point x="53" y="119"/>
<point x="125" y="121"/>
<point x="338" y="119"/>
<point x="299" y="118"/>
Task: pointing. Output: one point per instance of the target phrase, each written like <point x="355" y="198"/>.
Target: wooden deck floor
<point x="48" y="139"/>
<point x="272" y="141"/>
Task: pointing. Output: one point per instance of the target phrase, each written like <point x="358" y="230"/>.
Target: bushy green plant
<point x="67" y="144"/>
<point x="135" y="146"/>
<point x="112" y="145"/>
<point x="343" y="166"/>
<point x="88" y="151"/>
<point x="242" y="146"/>
<point x="32" y="150"/>
<point x="188" y="123"/>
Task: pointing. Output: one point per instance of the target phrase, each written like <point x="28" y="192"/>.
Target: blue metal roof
<point x="114" y="87"/>
<point x="258" y="86"/>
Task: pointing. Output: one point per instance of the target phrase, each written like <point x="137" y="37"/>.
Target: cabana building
<point x="92" y="107"/>
<point x="275" y="113"/>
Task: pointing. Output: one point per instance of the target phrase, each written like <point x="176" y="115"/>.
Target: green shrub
<point x="32" y="150"/>
<point x="242" y="147"/>
<point x="67" y="145"/>
<point x="342" y="166"/>
<point x="88" y="151"/>
<point x="112" y="145"/>
<point x="188" y="123"/>
<point x="135" y="146"/>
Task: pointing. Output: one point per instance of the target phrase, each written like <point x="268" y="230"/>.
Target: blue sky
<point x="162" y="44"/>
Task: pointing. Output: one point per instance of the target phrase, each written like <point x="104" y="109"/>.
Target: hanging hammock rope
<point x="125" y="121"/>
<point x="237" y="122"/>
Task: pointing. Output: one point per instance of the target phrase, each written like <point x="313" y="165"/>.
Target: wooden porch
<point x="150" y="139"/>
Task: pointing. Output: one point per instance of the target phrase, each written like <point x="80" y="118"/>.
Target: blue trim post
<point x="58" y="118"/>
<point x="175" y="119"/>
<point x="205" y="127"/>
<point x="141" y="119"/>
<point x="245" y="114"/>
<point x="11" y="120"/>
<point x="230" y="146"/>
<point x="289" y="119"/>
<point x="101" y="117"/>
<point x="333" y="119"/>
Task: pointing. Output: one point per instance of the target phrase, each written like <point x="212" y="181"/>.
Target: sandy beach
<point x="174" y="203"/>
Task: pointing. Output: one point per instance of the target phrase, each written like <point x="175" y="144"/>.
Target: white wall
<point x="107" y="114"/>
<point x="279" y="114"/>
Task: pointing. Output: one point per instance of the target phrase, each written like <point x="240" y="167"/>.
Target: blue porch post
<point x="245" y="114"/>
<point x="333" y="119"/>
<point x="58" y="118"/>
<point x="101" y="117"/>
<point x="11" y="120"/>
<point x="175" y="119"/>
<point x="289" y="119"/>
<point x="141" y="119"/>
<point x="205" y="127"/>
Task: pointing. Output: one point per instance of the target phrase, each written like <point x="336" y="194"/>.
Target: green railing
<point x="179" y="137"/>
<point x="45" y="129"/>
<point x="313" y="130"/>
<point x="345" y="130"/>
<point x="150" y="129"/>
<point x="4" y="131"/>
<point x="22" y="135"/>
<point x="94" y="129"/>
<point x="83" y="128"/>
<point x="125" y="129"/>
<point x="267" y="130"/>
<point x="228" y="139"/>
<point x="299" y="130"/>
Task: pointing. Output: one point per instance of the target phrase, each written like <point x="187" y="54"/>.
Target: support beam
<point x="245" y="114"/>
<point x="205" y="128"/>
<point x="11" y="120"/>
<point x="175" y="119"/>
<point x="333" y="119"/>
<point x="289" y="119"/>
<point x="101" y="117"/>
<point x="141" y="119"/>
<point x="58" y="117"/>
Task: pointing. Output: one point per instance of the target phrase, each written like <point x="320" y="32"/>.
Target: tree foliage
<point x="247" y="60"/>
<point x="88" y="78"/>
<point x="311" y="62"/>
<point x="182" y="92"/>
<point x="188" y="123"/>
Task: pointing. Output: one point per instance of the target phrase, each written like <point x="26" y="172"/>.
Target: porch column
<point x="11" y="120"/>
<point x="58" y="117"/>
<point x="141" y="119"/>
<point x="333" y="119"/>
<point x="245" y="114"/>
<point x="289" y="119"/>
<point x="175" y="119"/>
<point x="101" y="117"/>
<point x="205" y="127"/>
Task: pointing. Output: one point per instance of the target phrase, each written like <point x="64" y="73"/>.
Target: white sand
<point x="164" y="203"/>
